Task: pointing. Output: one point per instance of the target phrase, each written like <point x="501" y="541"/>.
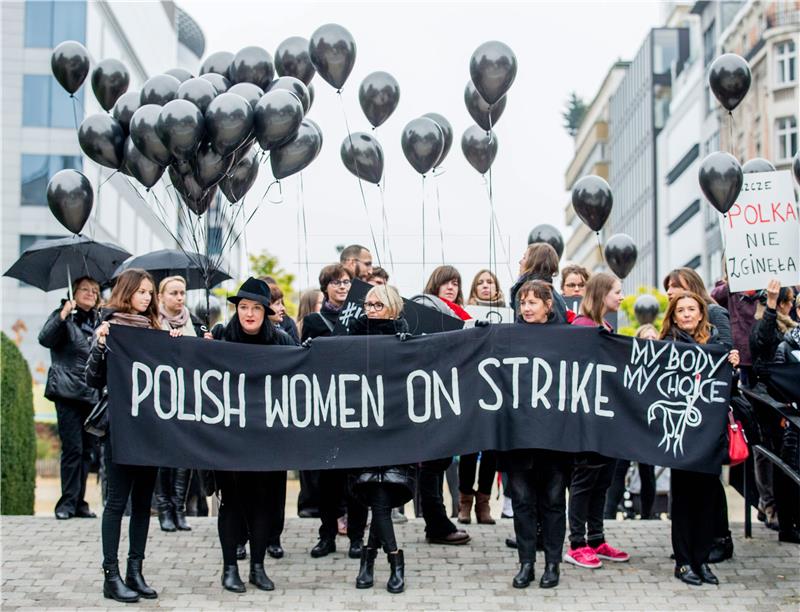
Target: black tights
<point x="381" y="530"/>
<point x="244" y="501"/>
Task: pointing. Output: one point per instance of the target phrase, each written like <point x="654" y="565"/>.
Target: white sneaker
<point x="508" y="509"/>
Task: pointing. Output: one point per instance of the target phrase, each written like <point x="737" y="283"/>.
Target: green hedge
<point x="17" y="432"/>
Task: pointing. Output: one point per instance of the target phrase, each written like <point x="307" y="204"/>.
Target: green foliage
<point x="264" y="264"/>
<point x="627" y="309"/>
<point x="17" y="433"/>
<point x="574" y="113"/>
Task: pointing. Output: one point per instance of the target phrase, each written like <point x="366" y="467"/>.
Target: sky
<point x="560" y="47"/>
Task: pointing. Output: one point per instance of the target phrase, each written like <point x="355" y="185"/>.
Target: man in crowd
<point x="358" y="260"/>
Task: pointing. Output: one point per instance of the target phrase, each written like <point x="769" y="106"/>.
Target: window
<point x="785" y="62"/>
<point x="709" y="44"/>
<point x="48" y="23"/>
<point x="46" y="104"/>
<point x="37" y="171"/>
<point x="786" y="131"/>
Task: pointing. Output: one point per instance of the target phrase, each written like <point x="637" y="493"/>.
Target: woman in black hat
<point x="245" y="495"/>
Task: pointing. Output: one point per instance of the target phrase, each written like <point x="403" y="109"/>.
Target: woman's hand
<point x="102" y="333"/>
<point x="773" y="289"/>
<point x="208" y="336"/>
<point x="66" y="309"/>
<point x="733" y="358"/>
<point x="175" y="333"/>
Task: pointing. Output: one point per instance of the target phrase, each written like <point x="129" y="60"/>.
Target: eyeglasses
<point x="575" y="285"/>
<point x="341" y="283"/>
<point x="376" y="306"/>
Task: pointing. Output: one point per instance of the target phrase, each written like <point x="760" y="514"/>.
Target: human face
<point x="376" y="309"/>
<point x="449" y="291"/>
<point x="687" y="315"/>
<point x="574" y="286"/>
<point x="786" y="307"/>
<point x="280" y="311"/>
<point x="376" y="280"/>
<point x="86" y="294"/>
<point x="533" y="309"/>
<point x="337" y="290"/>
<point x="251" y="315"/>
<point x="486" y="288"/>
<point x="675" y="288"/>
<point x="613" y="299"/>
<point x="142" y="297"/>
<point x="173" y="297"/>
<point x="361" y="266"/>
<point x="650" y="334"/>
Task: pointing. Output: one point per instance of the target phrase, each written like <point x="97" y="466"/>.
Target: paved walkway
<point x="49" y="564"/>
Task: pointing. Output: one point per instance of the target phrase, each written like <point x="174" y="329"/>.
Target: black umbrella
<point x="194" y="267"/>
<point x="53" y="264"/>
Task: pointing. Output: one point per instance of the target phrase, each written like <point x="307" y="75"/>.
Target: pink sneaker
<point x="583" y="557"/>
<point x="606" y="551"/>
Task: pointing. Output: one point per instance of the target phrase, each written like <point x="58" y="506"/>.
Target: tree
<point x="627" y="309"/>
<point x="574" y="113"/>
<point x="264" y="264"/>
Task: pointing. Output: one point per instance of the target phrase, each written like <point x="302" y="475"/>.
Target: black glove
<point x="306" y="343"/>
<point x="482" y="323"/>
<point x="403" y="336"/>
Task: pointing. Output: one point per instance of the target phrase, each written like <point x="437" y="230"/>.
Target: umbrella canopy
<point x="50" y="264"/>
<point x="194" y="267"/>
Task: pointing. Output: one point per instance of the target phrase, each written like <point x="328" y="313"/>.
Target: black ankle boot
<point x="231" y="581"/>
<point x="524" y="575"/>
<point x="366" y="571"/>
<point x="324" y="547"/>
<point x="397" y="571"/>
<point x="135" y="580"/>
<point x="356" y="546"/>
<point x="166" y="521"/>
<point x="721" y="550"/>
<point x="259" y="578"/>
<point x="550" y="577"/>
<point x="179" y="487"/>
<point x="114" y="588"/>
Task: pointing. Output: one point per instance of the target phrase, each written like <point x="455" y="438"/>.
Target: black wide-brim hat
<point x="256" y="290"/>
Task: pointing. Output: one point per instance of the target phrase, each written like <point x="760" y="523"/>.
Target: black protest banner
<point x="358" y="401"/>
<point x="784" y="379"/>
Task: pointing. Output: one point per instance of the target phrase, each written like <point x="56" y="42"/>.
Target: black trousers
<point x="467" y="466"/>
<point x="587" y="498"/>
<point x="431" y="483"/>
<point x="695" y="499"/>
<point x="124" y="481"/>
<point x="647" y="497"/>
<point x="539" y="497"/>
<point x="76" y="454"/>
<point x="171" y="490"/>
<point x="244" y="509"/>
<point x="276" y="506"/>
<point x="308" y="498"/>
<point x="333" y="490"/>
<point x="381" y="530"/>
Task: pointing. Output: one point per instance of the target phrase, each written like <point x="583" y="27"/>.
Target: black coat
<point x="789" y="347"/>
<point x="559" y="305"/>
<point x="322" y="323"/>
<point x="764" y="340"/>
<point x="70" y="343"/>
<point x="719" y="318"/>
<point x="398" y="479"/>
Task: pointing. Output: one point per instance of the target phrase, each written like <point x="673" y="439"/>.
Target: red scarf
<point x="460" y="312"/>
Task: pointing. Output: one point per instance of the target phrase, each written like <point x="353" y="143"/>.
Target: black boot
<point x="366" y="571"/>
<point x="166" y="521"/>
<point x="356" y="546"/>
<point x="259" y="578"/>
<point x="524" y="575"/>
<point x="706" y="575"/>
<point x="114" y="588"/>
<point x="135" y="580"/>
<point x="323" y="548"/>
<point x="179" y="486"/>
<point x="721" y="550"/>
<point x="686" y="574"/>
<point x="163" y="494"/>
<point x="231" y="581"/>
<point x="397" y="571"/>
<point x="550" y="577"/>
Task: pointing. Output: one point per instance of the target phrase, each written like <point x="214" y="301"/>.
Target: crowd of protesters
<point x="757" y="328"/>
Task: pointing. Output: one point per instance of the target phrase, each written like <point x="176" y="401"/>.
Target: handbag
<point x="738" y="449"/>
<point x="97" y="421"/>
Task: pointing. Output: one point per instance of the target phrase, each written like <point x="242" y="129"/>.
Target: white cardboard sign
<point x="491" y="314"/>
<point x="762" y="233"/>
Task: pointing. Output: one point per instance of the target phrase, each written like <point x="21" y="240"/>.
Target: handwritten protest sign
<point x="762" y="233"/>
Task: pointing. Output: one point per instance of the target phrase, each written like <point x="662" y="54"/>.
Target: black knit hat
<point x="256" y="290"/>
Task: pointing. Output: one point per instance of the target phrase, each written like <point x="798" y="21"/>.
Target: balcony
<point x="597" y="135"/>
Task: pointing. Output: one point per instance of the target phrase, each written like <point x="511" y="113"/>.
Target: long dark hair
<point x="442" y="275"/>
<point x="127" y="284"/>
<point x="234" y="332"/>
<point x="670" y="329"/>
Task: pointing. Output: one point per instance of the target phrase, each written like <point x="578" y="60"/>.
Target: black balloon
<point x="721" y="180"/>
<point x="493" y="68"/>
<point x="144" y="135"/>
<point x="757" y="164"/>
<point x="363" y="156"/>
<point x="229" y="120"/>
<point x="379" y="95"/>
<point x="70" y="198"/>
<point x="620" y="252"/>
<point x="646" y="308"/>
<point x="479" y="109"/>
<point x="592" y="201"/>
<point x="127" y="104"/>
<point x="220" y="83"/>
<point x="333" y="53"/>
<point x="318" y="143"/>
<point x="549" y="234"/>
<point x="70" y="65"/>
<point x="241" y="178"/>
<point x="217" y="63"/>
<point x="796" y="166"/>
<point x="298" y="153"/>
<point x="180" y="74"/>
<point x="184" y="181"/>
<point x="180" y="127"/>
<point x="102" y="139"/>
<point x="479" y="147"/>
<point x="159" y="89"/>
<point x="252" y="65"/>
<point x="422" y="142"/>
<point x="110" y="79"/>
<point x="292" y="59"/>
<point x="145" y="171"/>
<point x="276" y="118"/>
<point x="295" y="86"/>
<point x="198" y="91"/>
<point x="447" y="132"/>
<point x="250" y="92"/>
<point x="729" y="79"/>
<point x="209" y="166"/>
<point x="310" y="96"/>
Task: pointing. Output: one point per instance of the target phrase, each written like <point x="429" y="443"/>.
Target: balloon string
<point x="500" y="236"/>
<point x="269" y="188"/>
<point x="358" y="176"/>
<point x="305" y="227"/>
<point x="492" y="246"/>
<point x="423" y="228"/>
<point x="386" y="225"/>
<point x="439" y="214"/>
<point x="730" y="131"/>
<point x="74" y="111"/>
<point x="600" y="247"/>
